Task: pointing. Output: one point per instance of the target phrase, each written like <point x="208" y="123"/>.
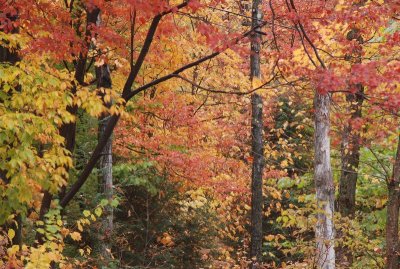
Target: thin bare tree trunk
<point x="325" y="189"/>
<point x="350" y="155"/>
<point x="103" y="77"/>
<point x="257" y="143"/>
<point x="350" y="159"/>
<point x="105" y="168"/>
<point x="350" y="151"/>
<point x="256" y="180"/>
<point x="392" y="217"/>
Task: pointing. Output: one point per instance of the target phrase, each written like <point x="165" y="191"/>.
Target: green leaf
<point x="52" y="228"/>
<point x="104" y="202"/>
<point x="114" y="203"/>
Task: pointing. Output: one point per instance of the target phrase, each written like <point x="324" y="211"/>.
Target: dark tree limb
<point x="127" y="95"/>
<point x="392" y="217"/>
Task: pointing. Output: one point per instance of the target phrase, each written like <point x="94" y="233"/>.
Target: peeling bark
<point x="324" y="185"/>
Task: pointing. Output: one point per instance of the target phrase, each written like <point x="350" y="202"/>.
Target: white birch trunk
<point x="325" y="188"/>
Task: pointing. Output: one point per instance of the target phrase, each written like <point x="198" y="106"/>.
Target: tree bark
<point x="325" y="189"/>
<point x="106" y="186"/>
<point x="257" y="143"/>
<point x="255" y="37"/>
<point x="350" y="148"/>
<point x="44" y="208"/>
<point x="350" y="152"/>
<point x="256" y="181"/>
<point x="105" y="167"/>
<point x="350" y="159"/>
<point x="392" y="217"/>
<point x="350" y="155"/>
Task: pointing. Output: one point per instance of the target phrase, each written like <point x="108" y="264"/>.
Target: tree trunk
<point x="44" y="208"/>
<point x="350" y="154"/>
<point x="392" y="218"/>
<point x="325" y="189"/>
<point x="257" y="143"/>
<point x="105" y="167"/>
<point x="256" y="181"/>
<point x="106" y="185"/>
<point x="256" y="20"/>
<point x="350" y="151"/>
<point x="350" y="148"/>
<point x="350" y="159"/>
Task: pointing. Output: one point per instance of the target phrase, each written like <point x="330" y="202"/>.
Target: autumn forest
<point x="199" y="134"/>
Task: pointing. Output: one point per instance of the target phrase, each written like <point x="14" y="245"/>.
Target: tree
<point x="350" y="148"/>
<point x="105" y="164"/>
<point x="324" y="185"/>
<point x="257" y="148"/>
<point x="392" y="219"/>
<point x="177" y="113"/>
<point x="128" y="93"/>
<point x="325" y="188"/>
<point x="350" y="151"/>
<point x="256" y="184"/>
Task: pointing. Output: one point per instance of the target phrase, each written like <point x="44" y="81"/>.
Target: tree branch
<point x="226" y="92"/>
<point x="128" y="94"/>
<point x="146" y="46"/>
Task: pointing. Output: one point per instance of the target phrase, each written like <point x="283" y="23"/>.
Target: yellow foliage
<point x="76" y="236"/>
<point x="11" y="234"/>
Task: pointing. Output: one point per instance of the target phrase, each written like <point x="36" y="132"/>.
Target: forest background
<point x="199" y="134"/>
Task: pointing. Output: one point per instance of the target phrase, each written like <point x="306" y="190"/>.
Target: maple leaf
<point x="194" y="5"/>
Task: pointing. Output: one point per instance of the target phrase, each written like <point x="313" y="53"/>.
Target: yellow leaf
<point x="11" y="251"/>
<point x="269" y="237"/>
<point x="80" y="228"/>
<point x="167" y="240"/>
<point x="256" y="82"/>
<point x="11" y="234"/>
<point x="107" y="98"/>
<point x="98" y="211"/>
<point x="86" y="213"/>
<point x="76" y="236"/>
<point x="284" y="164"/>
